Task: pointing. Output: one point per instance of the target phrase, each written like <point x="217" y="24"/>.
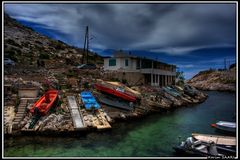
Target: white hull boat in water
<point x="207" y="145"/>
<point x="225" y="126"/>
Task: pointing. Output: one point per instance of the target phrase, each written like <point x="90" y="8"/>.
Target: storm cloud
<point x="172" y="28"/>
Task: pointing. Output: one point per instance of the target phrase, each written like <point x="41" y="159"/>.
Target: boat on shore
<point x="189" y="90"/>
<point x="45" y="103"/>
<point x="114" y="102"/>
<point x="171" y="91"/>
<point x="131" y="91"/>
<point x="115" y="90"/>
<point x="225" y="126"/>
<point x="89" y="101"/>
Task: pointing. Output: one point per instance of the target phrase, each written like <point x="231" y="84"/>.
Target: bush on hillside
<point x="44" y="56"/>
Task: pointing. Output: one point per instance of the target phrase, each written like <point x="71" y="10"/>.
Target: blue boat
<point x="89" y="101"/>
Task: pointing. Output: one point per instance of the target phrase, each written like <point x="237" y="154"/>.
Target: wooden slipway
<point x="221" y="140"/>
<point x="76" y="115"/>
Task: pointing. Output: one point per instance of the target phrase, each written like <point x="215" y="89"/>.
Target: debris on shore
<point x="150" y="99"/>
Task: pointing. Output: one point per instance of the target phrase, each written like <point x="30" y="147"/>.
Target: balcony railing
<point x="158" y="71"/>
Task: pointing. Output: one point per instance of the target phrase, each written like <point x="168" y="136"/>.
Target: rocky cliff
<point x="224" y="80"/>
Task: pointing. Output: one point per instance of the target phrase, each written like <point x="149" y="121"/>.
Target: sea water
<point x="151" y="136"/>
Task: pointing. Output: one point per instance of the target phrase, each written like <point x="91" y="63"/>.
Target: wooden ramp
<point x="221" y="140"/>
<point x="76" y="115"/>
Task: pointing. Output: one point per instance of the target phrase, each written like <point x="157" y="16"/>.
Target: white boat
<point x="217" y="139"/>
<point x="225" y="126"/>
<point x="197" y="148"/>
<point x="207" y="145"/>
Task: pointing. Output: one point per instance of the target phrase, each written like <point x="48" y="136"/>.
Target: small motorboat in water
<point x="195" y="147"/>
<point x="225" y="126"/>
<point x="207" y="145"/>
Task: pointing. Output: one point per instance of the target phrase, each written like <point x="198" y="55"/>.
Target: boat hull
<point x="186" y="152"/>
<point x="226" y="145"/>
<point x="89" y="101"/>
<point x="42" y="106"/>
<point x="114" y="102"/>
<point x="219" y="140"/>
<point x="193" y="152"/>
<point x="116" y="93"/>
<point x="225" y="126"/>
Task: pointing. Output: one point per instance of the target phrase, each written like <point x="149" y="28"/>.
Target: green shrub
<point x="227" y="81"/>
<point x="232" y="65"/>
<point x="44" y="56"/>
<point x="207" y="71"/>
<point x="10" y="52"/>
<point x="59" y="46"/>
<point x="124" y="81"/>
<point x="71" y="73"/>
<point x="38" y="42"/>
<point x="12" y="42"/>
<point x="114" y="79"/>
<point x="18" y="51"/>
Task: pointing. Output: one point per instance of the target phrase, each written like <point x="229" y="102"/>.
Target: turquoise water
<point x="151" y="136"/>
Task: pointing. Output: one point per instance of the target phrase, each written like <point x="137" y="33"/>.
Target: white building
<point x="136" y="69"/>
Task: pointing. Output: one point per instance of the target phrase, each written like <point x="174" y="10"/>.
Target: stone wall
<point x="132" y="78"/>
<point x="28" y="92"/>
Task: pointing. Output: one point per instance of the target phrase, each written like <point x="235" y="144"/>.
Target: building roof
<point x="121" y="54"/>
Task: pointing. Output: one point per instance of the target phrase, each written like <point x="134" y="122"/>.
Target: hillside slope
<point x="25" y="46"/>
<point x="215" y="80"/>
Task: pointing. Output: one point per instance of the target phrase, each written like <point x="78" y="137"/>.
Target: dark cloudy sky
<point x="178" y="31"/>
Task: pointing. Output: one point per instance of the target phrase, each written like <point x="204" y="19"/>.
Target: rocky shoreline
<point x="153" y="100"/>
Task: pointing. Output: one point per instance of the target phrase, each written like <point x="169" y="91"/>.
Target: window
<point x="138" y="64"/>
<point x="112" y="62"/>
<point x="126" y="62"/>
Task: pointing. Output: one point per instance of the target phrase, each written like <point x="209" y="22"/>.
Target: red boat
<point x="45" y="103"/>
<point x="116" y="91"/>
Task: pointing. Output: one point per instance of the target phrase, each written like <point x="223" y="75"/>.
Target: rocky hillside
<point x="215" y="80"/>
<point x="25" y="46"/>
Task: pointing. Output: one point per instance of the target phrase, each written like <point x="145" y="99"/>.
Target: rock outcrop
<point x="215" y="80"/>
